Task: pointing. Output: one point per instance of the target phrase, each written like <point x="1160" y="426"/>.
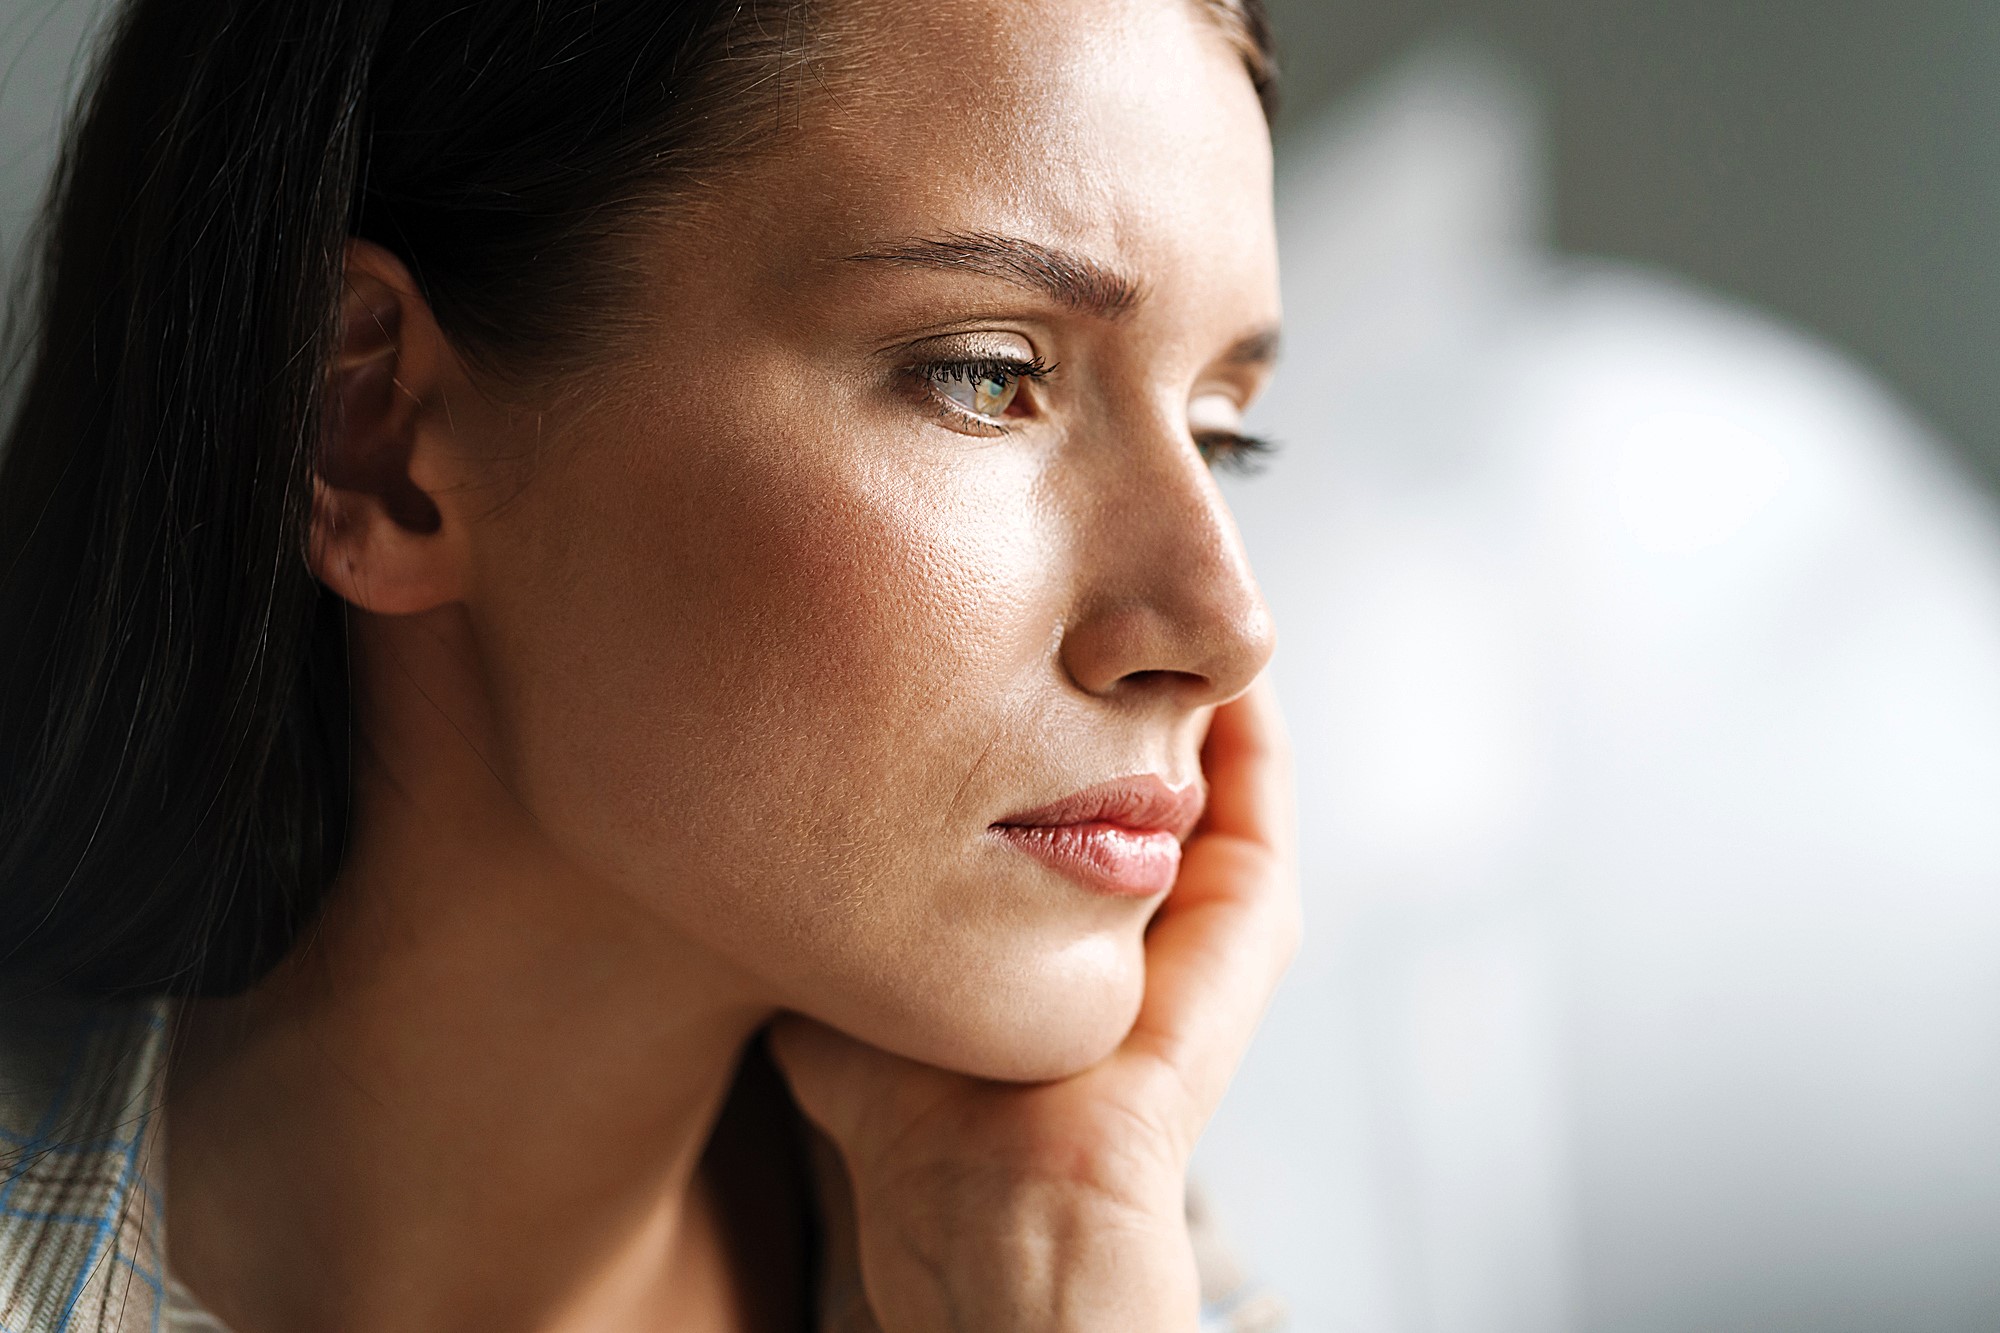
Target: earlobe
<point x="379" y="537"/>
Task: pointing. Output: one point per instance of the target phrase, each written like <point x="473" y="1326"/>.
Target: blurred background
<point x="1635" y="554"/>
<point x="1638" y="581"/>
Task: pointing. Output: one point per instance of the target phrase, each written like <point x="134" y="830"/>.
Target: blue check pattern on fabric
<point x="81" y="1218"/>
<point x="79" y="1237"/>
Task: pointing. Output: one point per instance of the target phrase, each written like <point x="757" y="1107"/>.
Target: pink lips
<point x="1120" y="838"/>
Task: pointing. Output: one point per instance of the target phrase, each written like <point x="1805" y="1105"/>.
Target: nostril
<point x="1160" y="682"/>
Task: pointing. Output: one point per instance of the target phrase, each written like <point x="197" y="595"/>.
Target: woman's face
<point x="893" y="524"/>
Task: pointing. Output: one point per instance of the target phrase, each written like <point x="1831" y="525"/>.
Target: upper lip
<point x="1145" y="803"/>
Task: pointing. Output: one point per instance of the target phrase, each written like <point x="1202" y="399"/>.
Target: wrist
<point x="1049" y="1260"/>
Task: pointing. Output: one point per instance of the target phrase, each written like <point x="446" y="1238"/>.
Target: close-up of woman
<point x="627" y="701"/>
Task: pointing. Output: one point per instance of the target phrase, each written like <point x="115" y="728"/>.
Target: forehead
<point x="1125" y="130"/>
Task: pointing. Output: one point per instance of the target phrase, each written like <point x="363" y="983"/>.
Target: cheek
<point x="758" y="672"/>
<point x="770" y="685"/>
<point x="856" y="627"/>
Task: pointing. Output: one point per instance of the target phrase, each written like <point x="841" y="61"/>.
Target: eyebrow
<point x="1256" y="350"/>
<point x="1077" y="281"/>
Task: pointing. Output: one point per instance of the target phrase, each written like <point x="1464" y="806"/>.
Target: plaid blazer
<point x="82" y="1234"/>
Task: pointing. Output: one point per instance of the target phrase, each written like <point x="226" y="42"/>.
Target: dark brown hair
<point x="174" y="709"/>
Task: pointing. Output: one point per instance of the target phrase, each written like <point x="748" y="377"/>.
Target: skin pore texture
<point x="689" y="691"/>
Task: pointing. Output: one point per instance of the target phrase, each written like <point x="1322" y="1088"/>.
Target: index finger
<point x="1248" y="763"/>
<point x="1226" y="932"/>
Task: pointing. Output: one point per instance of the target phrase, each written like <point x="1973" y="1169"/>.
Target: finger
<point x="1248" y="763"/>
<point x="830" y="1073"/>
<point x="1226" y="933"/>
<point x="856" y="1093"/>
<point x="1212" y="965"/>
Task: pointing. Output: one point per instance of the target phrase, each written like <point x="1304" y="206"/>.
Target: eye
<point x="1215" y="420"/>
<point x="1233" y="451"/>
<point x="986" y="391"/>
<point x="982" y="391"/>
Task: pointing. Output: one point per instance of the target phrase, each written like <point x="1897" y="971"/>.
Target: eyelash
<point x="1033" y="369"/>
<point x="1235" y="452"/>
<point x="1223" y="450"/>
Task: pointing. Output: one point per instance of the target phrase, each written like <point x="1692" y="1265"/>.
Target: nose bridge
<point x="1165" y="589"/>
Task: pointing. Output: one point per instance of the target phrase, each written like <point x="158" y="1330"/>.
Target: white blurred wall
<point x="40" y="46"/>
<point x="1644" y="661"/>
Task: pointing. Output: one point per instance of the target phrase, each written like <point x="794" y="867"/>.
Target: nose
<point x="1165" y="602"/>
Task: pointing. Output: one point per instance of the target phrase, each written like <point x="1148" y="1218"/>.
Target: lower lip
<point x="1105" y="858"/>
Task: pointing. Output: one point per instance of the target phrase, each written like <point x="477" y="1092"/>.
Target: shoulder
<point x="78" y="1226"/>
<point x="71" y="1068"/>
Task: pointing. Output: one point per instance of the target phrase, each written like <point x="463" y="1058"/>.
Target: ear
<point x="379" y="537"/>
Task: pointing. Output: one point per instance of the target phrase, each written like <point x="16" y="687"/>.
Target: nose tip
<point x="1189" y="622"/>
<point x="1259" y="636"/>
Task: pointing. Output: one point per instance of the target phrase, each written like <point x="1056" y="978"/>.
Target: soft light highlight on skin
<point x="842" y="639"/>
<point x="700" y="701"/>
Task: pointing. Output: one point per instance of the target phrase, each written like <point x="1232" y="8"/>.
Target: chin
<point x="1057" y="1017"/>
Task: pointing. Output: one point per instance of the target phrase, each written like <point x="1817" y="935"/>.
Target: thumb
<point x="852" y="1091"/>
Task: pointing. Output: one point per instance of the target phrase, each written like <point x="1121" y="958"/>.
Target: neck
<point x="477" y="1097"/>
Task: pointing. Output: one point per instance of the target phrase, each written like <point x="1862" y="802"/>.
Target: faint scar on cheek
<point x="972" y="771"/>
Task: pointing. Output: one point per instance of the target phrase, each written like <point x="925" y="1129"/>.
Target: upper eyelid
<point x="969" y="344"/>
<point x="1242" y="382"/>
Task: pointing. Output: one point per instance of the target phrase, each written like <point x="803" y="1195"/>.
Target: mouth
<point x="1120" y="838"/>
